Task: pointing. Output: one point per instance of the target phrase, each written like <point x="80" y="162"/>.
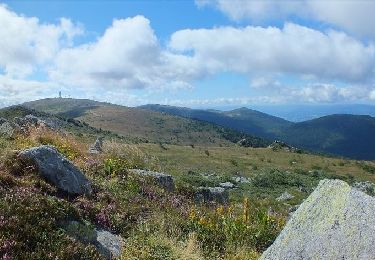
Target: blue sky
<point x="204" y="53"/>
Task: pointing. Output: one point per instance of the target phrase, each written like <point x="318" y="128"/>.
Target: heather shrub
<point x="29" y="227"/>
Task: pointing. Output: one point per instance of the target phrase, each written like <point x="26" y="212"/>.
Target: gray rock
<point x="108" y="244"/>
<point x="227" y="185"/>
<point x="334" y="222"/>
<point x="285" y="196"/>
<point x="241" y="179"/>
<point x="8" y="129"/>
<point x="56" y="169"/>
<point x="208" y="194"/>
<point x="163" y="180"/>
<point x="97" y="147"/>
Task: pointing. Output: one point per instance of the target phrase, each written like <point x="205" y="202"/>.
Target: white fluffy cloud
<point x="294" y="50"/>
<point x="26" y="42"/>
<point x="127" y="55"/>
<point x="355" y="16"/>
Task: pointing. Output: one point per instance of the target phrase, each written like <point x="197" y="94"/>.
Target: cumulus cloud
<point x="127" y="55"/>
<point x="355" y="16"/>
<point x="26" y="42"/>
<point x="315" y="93"/>
<point x="293" y="49"/>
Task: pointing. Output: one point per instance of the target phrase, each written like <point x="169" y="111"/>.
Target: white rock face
<point x="334" y="222"/>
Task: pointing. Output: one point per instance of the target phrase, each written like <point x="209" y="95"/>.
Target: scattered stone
<point x="208" y="194"/>
<point x="241" y="179"/>
<point x="285" y="196"/>
<point x="334" y="222"/>
<point x="366" y="186"/>
<point x="280" y="145"/>
<point x="97" y="147"/>
<point x="27" y="121"/>
<point x="108" y="244"/>
<point x="56" y="169"/>
<point x="164" y="180"/>
<point x="227" y="185"/>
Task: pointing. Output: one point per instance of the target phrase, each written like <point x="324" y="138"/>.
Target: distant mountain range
<point x="345" y="135"/>
<point x="299" y="113"/>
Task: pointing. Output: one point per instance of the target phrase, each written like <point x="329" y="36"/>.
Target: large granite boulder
<point x="163" y="180"/>
<point x="56" y="169"/>
<point x="334" y="222"/>
<point x="211" y="194"/>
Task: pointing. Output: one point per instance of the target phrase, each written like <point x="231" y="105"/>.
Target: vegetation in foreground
<point x="156" y="224"/>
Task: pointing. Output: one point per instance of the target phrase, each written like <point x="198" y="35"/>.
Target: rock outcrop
<point x="334" y="222"/>
<point x="279" y="145"/>
<point x="97" y="147"/>
<point x="8" y="129"/>
<point x="56" y="169"/>
<point x="163" y="180"/>
<point x="209" y="194"/>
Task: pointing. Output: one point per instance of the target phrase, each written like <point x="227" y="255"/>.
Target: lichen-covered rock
<point x="334" y="222"/>
<point x="97" y="147"/>
<point x="164" y="180"/>
<point x="241" y="179"/>
<point x="56" y="169"/>
<point x="108" y="244"/>
<point x="8" y="129"/>
<point x="208" y="194"/>
<point x="285" y="196"/>
<point x="227" y="185"/>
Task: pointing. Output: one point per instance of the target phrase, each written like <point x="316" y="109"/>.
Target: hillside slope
<point x="242" y="119"/>
<point x="347" y="135"/>
<point x="148" y="126"/>
<point x="344" y="135"/>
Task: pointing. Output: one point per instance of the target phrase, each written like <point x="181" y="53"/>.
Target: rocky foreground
<point x="335" y="222"/>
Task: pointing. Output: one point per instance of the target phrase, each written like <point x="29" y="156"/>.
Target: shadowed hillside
<point x="344" y="135"/>
<point x="242" y="119"/>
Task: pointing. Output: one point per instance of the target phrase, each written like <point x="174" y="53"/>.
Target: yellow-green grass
<point x="249" y="161"/>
